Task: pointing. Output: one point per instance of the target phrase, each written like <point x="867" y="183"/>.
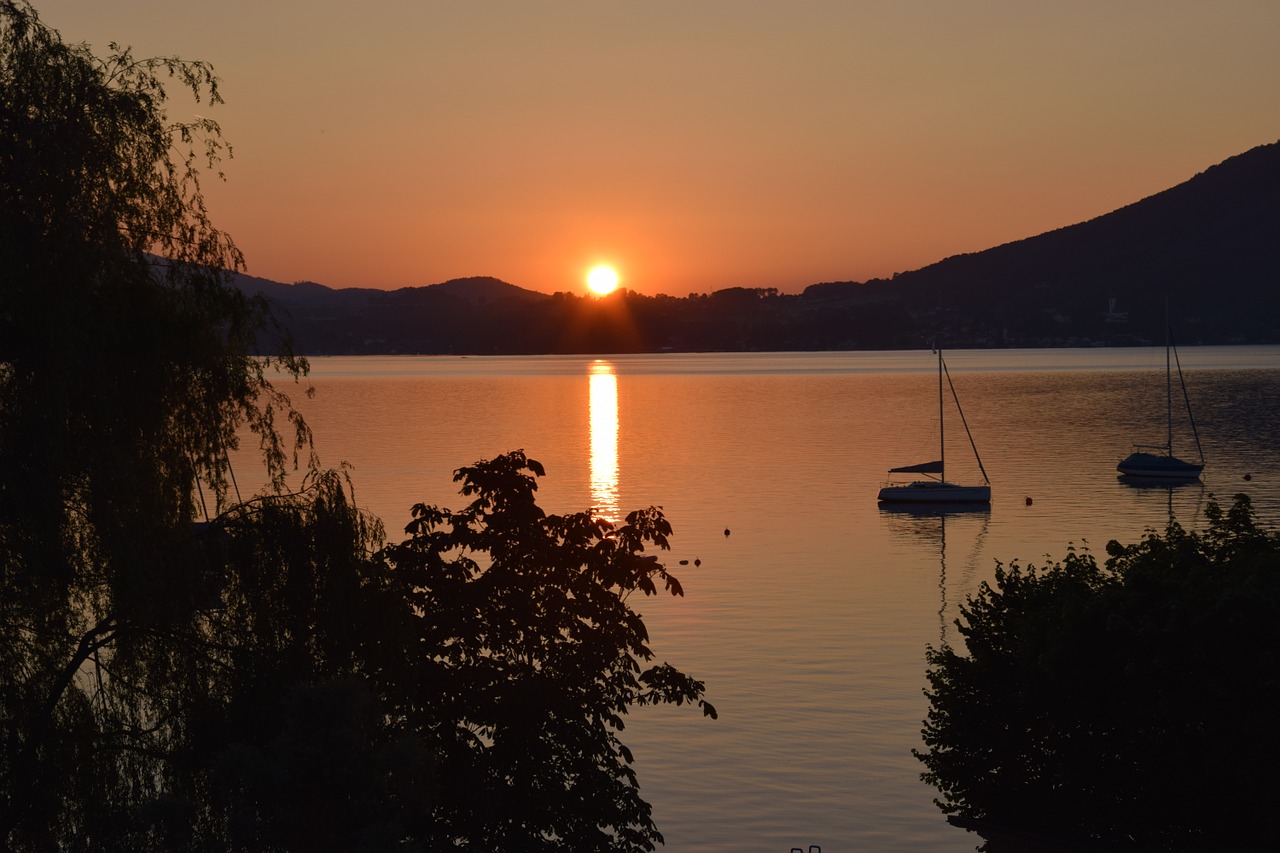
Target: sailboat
<point x="1164" y="465"/>
<point x="938" y="490"/>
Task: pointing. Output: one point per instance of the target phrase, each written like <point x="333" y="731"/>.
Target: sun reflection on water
<point x="604" y="439"/>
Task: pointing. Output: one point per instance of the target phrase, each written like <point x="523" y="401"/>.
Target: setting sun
<point x="602" y="279"/>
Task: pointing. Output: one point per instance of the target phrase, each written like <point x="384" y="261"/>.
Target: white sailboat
<point x="1163" y="465"/>
<point x="938" y="490"/>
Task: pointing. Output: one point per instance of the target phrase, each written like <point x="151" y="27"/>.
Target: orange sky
<point x="694" y="145"/>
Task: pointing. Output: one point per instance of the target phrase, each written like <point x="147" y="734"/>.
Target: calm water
<point x="809" y="622"/>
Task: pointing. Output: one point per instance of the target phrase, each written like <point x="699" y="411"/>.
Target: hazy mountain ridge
<point x="1209" y="245"/>
<point x="474" y="290"/>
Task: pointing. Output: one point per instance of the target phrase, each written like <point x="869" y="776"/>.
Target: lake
<point x="809" y="615"/>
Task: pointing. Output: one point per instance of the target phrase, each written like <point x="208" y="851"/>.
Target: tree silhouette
<point x="126" y="369"/>
<point x="529" y="656"/>
<point x="184" y="671"/>
<point x="1131" y="702"/>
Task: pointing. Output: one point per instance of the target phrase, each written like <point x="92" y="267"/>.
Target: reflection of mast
<point x="969" y="564"/>
<point x="942" y="584"/>
<point x="603" y="404"/>
<point x="1150" y="485"/>
<point x="917" y="519"/>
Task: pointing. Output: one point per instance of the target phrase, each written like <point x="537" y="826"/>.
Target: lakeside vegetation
<point x="1128" y="704"/>
<point x="188" y="670"/>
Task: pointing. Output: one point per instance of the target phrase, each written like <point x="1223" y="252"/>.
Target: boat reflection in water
<point x="929" y="521"/>
<point x="1186" y="489"/>
<point x="603" y="406"/>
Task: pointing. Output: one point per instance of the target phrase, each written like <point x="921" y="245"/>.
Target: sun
<point x="602" y="279"/>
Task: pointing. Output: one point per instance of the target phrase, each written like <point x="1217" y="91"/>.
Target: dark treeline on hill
<point x="489" y="317"/>
<point x="1210" y="245"/>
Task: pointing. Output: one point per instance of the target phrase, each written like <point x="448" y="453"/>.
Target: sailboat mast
<point x="1168" y="384"/>
<point x="942" y="438"/>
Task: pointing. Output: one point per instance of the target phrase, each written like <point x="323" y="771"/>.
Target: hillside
<point x="436" y="318"/>
<point x="1209" y="245"/>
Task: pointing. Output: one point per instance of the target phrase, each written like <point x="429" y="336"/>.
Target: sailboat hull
<point x="1155" y="466"/>
<point x="934" y="492"/>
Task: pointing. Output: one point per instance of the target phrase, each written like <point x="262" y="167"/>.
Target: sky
<point x="693" y="145"/>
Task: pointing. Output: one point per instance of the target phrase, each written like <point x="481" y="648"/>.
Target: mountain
<point x="1210" y="247"/>
<point x="478" y="290"/>
<point x="436" y="318"/>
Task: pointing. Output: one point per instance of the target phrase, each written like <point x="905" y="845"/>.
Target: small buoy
<point x="1248" y="476"/>
<point x="1028" y="500"/>
<point x="697" y="562"/>
<point x="726" y="531"/>
<point x="684" y="562"/>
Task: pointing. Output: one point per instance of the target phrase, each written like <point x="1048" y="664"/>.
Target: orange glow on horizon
<point x="796" y="161"/>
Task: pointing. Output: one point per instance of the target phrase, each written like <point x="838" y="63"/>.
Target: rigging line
<point x="200" y="490"/>
<point x="1186" y="399"/>
<point x="956" y="397"/>
<point x="972" y="563"/>
<point x="1199" y="510"/>
<point x="232" y="472"/>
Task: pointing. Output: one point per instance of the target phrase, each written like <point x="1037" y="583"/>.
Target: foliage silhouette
<point x="1130" y="702"/>
<point x="263" y="679"/>
<point x="528" y="649"/>
<point x="126" y="369"/>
